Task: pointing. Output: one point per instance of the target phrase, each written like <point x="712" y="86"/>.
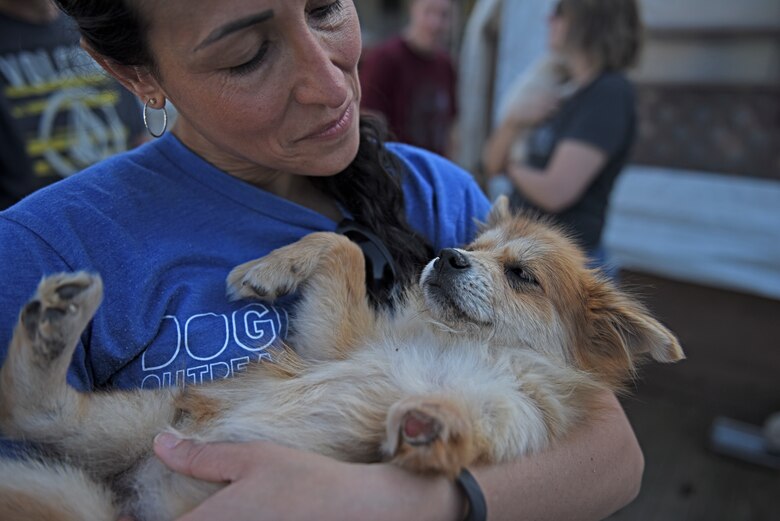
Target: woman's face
<point x="261" y="85"/>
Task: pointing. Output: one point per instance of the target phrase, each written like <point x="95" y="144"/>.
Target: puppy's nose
<point x="452" y="258"/>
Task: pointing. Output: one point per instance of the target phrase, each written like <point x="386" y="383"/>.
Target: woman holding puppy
<point x="575" y="145"/>
<point x="268" y="147"/>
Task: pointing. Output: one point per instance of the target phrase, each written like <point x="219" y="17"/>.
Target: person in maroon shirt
<point x="410" y="79"/>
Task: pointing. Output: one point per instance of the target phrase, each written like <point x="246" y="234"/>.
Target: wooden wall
<point x="709" y="86"/>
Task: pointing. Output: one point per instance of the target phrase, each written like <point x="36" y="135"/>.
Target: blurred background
<point x="693" y="223"/>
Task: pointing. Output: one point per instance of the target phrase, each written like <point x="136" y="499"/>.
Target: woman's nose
<point x="319" y="78"/>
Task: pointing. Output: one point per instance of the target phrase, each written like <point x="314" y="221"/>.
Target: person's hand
<point x="268" y="481"/>
<point x="533" y="109"/>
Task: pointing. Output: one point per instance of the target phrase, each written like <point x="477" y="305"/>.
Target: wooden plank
<point x="714" y="32"/>
<point x="691" y="225"/>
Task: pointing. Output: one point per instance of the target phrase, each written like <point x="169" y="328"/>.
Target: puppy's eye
<point x="518" y="274"/>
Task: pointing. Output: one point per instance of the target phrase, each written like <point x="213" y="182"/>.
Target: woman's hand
<point x="587" y="475"/>
<point x="519" y="120"/>
<point x="268" y="481"/>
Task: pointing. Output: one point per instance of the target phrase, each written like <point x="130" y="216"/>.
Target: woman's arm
<point x="587" y="476"/>
<point x="572" y="168"/>
<point x="495" y="154"/>
<point x="268" y="481"/>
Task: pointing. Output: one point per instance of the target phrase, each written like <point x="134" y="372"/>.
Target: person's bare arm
<point x="572" y="168"/>
<point x="590" y="474"/>
<point x="265" y="481"/>
<point x="495" y="153"/>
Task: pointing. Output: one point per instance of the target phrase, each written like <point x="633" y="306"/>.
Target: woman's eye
<point x="254" y="63"/>
<point x="326" y="11"/>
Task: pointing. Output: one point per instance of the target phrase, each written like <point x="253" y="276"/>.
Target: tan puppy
<point x="500" y="350"/>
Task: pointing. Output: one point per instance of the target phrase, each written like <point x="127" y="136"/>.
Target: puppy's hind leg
<point x="105" y="432"/>
<point x="33" y="377"/>
<point x="329" y="269"/>
<point x="430" y="434"/>
<point x="31" y="490"/>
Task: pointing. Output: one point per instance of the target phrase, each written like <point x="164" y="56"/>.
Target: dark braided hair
<point x="369" y="188"/>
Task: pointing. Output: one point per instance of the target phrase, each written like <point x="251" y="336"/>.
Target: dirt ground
<point x="732" y="343"/>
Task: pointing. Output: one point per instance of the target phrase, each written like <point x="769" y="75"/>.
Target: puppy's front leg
<point x="329" y="269"/>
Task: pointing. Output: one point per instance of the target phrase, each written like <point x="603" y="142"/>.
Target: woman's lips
<point x="335" y="128"/>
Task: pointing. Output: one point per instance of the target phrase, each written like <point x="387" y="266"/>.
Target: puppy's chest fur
<point x="339" y="407"/>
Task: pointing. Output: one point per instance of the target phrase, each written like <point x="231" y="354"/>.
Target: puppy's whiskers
<point x="444" y="327"/>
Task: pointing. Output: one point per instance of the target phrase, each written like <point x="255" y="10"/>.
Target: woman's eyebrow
<point x="235" y="25"/>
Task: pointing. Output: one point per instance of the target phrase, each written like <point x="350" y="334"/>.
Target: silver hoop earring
<point x="146" y="119"/>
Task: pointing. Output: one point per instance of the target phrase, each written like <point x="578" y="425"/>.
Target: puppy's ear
<point x="499" y="213"/>
<point x="620" y="333"/>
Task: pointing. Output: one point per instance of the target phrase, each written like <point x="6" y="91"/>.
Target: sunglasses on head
<point x="380" y="266"/>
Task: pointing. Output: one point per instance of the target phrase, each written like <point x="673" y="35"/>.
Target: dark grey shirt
<point x="601" y="114"/>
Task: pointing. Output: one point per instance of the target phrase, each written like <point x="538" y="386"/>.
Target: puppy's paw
<point x="282" y="271"/>
<point x="264" y="279"/>
<point x="430" y="435"/>
<point x="58" y="313"/>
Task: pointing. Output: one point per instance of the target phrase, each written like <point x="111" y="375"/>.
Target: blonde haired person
<point x="576" y="140"/>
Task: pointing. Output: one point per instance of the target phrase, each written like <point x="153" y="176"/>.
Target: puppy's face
<point x="517" y="281"/>
<point x="523" y="283"/>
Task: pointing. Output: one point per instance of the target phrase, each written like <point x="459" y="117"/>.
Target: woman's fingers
<point x="215" y="462"/>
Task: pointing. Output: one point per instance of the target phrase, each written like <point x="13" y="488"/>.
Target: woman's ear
<point x="138" y="80"/>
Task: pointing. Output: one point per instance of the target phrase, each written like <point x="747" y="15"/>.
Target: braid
<point x="371" y="190"/>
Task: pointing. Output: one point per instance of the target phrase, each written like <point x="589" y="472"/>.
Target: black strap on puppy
<point x="475" y="499"/>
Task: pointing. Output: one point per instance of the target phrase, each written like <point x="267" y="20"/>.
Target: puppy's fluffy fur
<point x="500" y="350"/>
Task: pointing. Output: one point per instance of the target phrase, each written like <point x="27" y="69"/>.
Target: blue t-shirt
<point x="163" y="228"/>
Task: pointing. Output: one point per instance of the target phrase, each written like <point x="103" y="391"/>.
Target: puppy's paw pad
<point x="249" y="288"/>
<point x="419" y="428"/>
<point x="60" y="311"/>
<point x="69" y="290"/>
<point x="430" y="436"/>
